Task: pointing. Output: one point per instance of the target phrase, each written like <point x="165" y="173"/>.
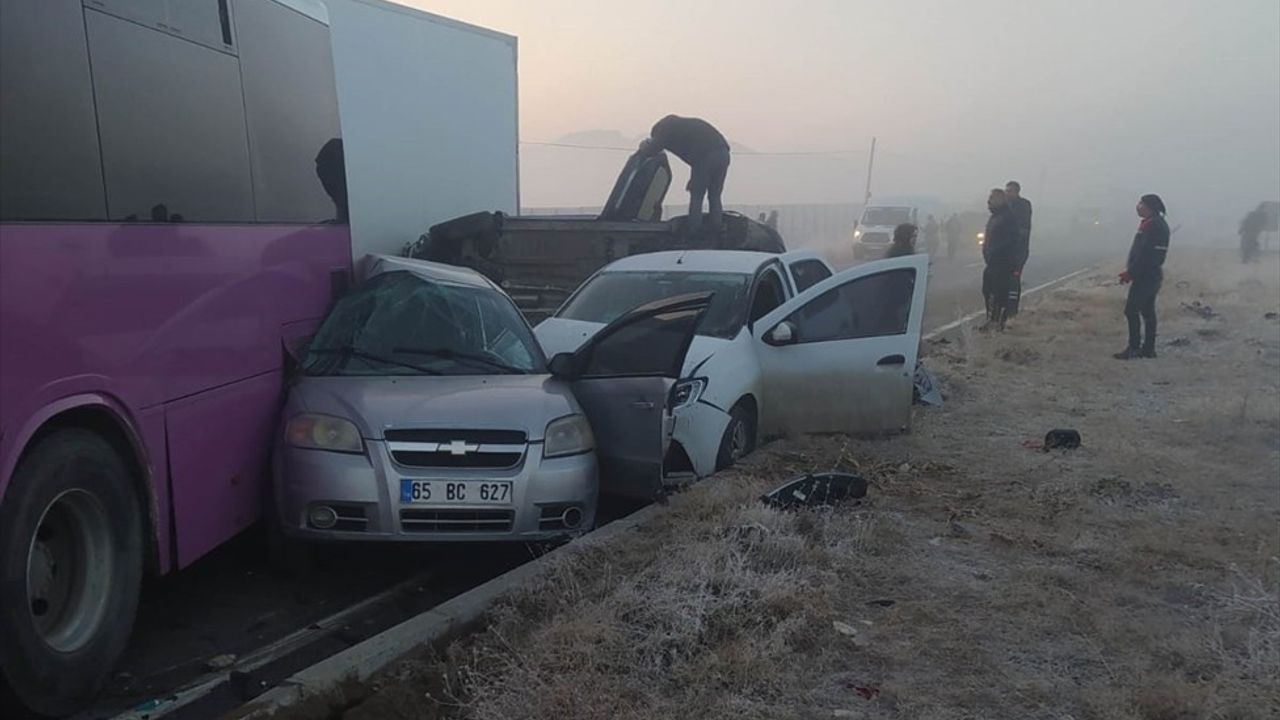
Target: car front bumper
<point x="699" y="429"/>
<point x="364" y="490"/>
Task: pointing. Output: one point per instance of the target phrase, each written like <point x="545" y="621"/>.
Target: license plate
<point x="451" y="492"/>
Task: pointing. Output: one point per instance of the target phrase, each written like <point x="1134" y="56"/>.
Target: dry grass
<point x="1135" y="578"/>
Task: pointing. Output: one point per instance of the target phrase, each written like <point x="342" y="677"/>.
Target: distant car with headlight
<point x="424" y="409"/>
<point x="874" y="231"/>
<point x="787" y="346"/>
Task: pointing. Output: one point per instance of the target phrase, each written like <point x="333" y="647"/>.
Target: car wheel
<point x="739" y="437"/>
<point x="71" y="545"/>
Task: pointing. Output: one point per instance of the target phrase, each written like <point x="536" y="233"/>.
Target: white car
<point x="785" y="347"/>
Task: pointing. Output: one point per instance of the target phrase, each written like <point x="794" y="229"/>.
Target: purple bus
<point x="168" y="225"/>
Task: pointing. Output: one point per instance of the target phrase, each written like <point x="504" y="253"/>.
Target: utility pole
<point x="871" y="163"/>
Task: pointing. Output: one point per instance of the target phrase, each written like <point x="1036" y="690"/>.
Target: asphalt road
<point x="233" y="601"/>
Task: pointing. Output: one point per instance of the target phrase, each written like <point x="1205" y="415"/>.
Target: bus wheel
<point x="70" y="572"/>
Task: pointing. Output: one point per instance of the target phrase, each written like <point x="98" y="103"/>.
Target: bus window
<point x="171" y="119"/>
<point x="48" y="137"/>
<point x="291" y="107"/>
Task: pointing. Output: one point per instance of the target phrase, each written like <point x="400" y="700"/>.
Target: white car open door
<point x="623" y="378"/>
<point x="840" y="356"/>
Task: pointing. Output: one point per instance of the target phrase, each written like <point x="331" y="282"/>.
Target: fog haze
<point x="1081" y="101"/>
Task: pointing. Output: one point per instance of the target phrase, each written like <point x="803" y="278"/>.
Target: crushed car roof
<point x="373" y="265"/>
<point x="727" y="261"/>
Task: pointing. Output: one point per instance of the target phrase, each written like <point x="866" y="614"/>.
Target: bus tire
<point x="71" y="555"/>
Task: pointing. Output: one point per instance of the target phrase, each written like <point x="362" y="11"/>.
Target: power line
<point x="735" y="152"/>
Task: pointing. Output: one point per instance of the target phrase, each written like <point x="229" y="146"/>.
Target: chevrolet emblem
<point x="458" y="447"/>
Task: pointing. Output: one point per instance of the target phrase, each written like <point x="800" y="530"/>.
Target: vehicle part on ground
<point x="816" y="490"/>
<point x="739" y="438"/>
<point x="71" y="554"/>
<point x="926" y="388"/>
<point x="1061" y="439"/>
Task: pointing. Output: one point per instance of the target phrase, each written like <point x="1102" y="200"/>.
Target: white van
<point x="874" y="232"/>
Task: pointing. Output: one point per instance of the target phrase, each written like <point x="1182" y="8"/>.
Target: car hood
<point x="557" y="335"/>
<point x="463" y="402"/>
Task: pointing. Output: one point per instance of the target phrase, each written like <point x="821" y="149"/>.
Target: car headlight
<point x="687" y="392"/>
<point x="857" y="234"/>
<point x="569" y="435"/>
<point x="324" y="432"/>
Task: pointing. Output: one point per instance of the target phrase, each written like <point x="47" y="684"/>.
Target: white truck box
<point x="428" y="108"/>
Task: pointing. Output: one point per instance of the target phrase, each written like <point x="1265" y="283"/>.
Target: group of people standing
<point x="1007" y="242"/>
<point x="1005" y="249"/>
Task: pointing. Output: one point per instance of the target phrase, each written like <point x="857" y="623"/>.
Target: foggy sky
<point x="1079" y="99"/>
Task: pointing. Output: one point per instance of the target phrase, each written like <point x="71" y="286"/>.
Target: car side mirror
<point x="784" y="333"/>
<point x="561" y="366"/>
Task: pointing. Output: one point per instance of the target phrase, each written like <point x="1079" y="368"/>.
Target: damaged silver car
<point x="423" y="409"/>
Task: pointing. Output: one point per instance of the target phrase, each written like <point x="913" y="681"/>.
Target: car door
<point x="623" y="378"/>
<point x="840" y="356"/>
<point x="640" y="189"/>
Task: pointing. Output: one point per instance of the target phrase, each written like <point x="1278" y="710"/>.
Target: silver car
<point x="423" y="409"/>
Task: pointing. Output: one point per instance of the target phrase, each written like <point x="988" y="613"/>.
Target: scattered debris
<point x="1272" y="316"/>
<point x="1180" y="341"/>
<point x="220" y="662"/>
<point x="815" y="490"/>
<point x="844" y="628"/>
<point x="904" y="468"/>
<point x="959" y="530"/>
<point x="882" y="603"/>
<point x="1209" y="333"/>
<point x="869" y="692"/>
<point x="1204" y="310"/>
<point x="1061" y="439"/>
<point x="925" y="389"/>
<point x="1033" y="444"/>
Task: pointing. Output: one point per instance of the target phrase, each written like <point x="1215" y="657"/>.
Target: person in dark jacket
<point x="904" y="241"/>
<point x="951" y="228"/>
<point x="705" y="150"/>
<point x="1144" y="274"/>
<point x="1021" y="209"/>
<point x="1001" y="252"/>
<point x="1251" y="227"/>
<point x="931" y="231"/>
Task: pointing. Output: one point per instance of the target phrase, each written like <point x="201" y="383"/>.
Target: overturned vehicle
<point x="539" y="260"/>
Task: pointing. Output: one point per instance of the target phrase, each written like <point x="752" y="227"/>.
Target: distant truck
<point x="540" y="260"/>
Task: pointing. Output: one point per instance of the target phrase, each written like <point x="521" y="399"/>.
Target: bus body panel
<point x="145" y="317"/>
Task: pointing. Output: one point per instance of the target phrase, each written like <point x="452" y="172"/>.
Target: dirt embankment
<point x="1133" y="578"/>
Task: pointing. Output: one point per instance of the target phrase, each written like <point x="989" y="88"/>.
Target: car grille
<point x="486" y="437"/>
<point x="875" y="238"/>
<point x="431" y="448"/>
<point x="456" y="521"/>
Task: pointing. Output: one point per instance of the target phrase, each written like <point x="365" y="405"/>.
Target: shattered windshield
<point x="608" y="296"/>
<point x="402" y="324"/>
<point x="886" y="216"/>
